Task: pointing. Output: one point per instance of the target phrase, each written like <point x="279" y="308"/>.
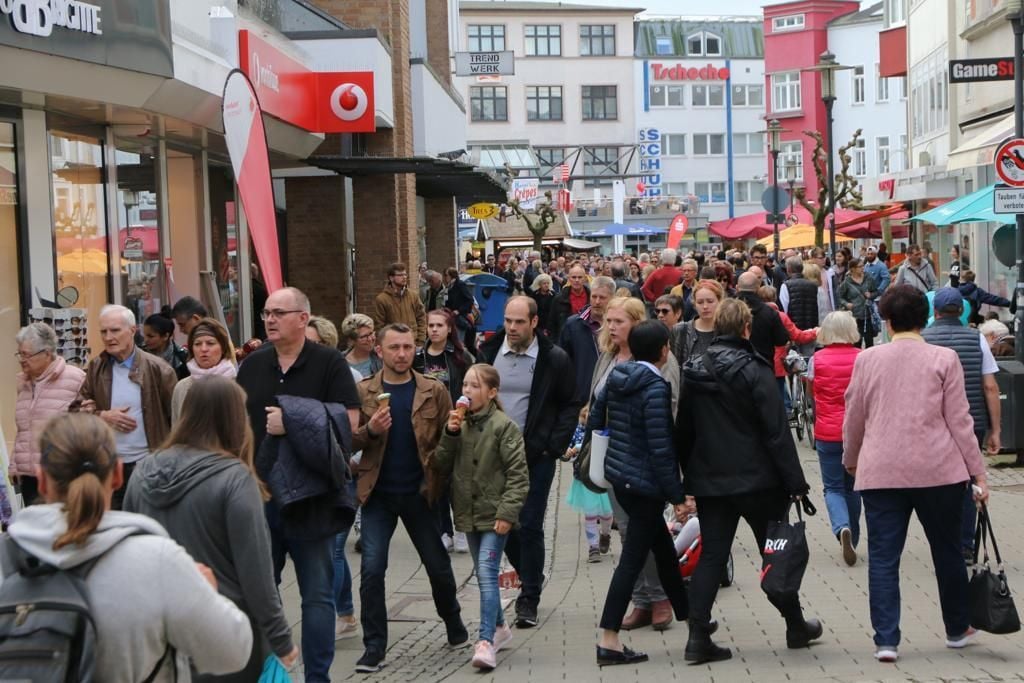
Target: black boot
<point x="700" y="648"/>
<point x="800" y="633"/>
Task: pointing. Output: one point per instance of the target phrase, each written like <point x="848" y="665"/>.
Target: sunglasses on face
<point x="663" y="311"/>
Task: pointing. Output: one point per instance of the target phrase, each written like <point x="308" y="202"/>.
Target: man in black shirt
<point x="288" y="365"/>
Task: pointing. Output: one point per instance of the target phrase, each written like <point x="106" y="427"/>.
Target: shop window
<point x="10" y="318"/>
<point x="224" y="239"/>
<point x="80" y="228"/>
<point x="138" y="220"/>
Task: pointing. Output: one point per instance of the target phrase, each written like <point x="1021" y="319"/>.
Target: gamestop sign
<point x="682" y="72"/>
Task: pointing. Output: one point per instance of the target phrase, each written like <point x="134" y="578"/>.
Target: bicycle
<point x="802" y="417"/>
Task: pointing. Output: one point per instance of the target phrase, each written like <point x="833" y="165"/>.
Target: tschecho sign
<point x="977" y="70"/>
<point x="682" y="72"/>
<point x="320" y="102"/>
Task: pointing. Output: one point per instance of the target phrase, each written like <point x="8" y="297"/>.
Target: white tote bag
<point x="598" y="451"/>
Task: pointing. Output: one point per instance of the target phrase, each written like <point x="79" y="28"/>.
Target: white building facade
<point x="700" y="112"/>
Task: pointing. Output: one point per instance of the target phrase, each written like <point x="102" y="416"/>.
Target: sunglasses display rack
<point x="71" y="326"/>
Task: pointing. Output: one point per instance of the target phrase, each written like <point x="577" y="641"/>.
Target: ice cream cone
<point x="383" y="400"/>
<point x="462" y="405"/>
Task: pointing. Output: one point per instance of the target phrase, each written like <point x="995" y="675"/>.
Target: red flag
<point x="676" y="230"/>
<point x="247" y="146"/>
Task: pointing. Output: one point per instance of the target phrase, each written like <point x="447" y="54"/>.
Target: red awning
<point x="870" y="226"/>
<point x="755" y="225"/>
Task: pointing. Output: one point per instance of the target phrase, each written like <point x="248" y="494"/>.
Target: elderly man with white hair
<point x="998" y="336"/>
<point x="130" y="390"/>
<point x="664" y="278"/>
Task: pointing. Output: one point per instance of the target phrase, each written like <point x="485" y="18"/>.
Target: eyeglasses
<point x="276" y="313"/>
<point x="25" y="356"/>
<point x="364" y="337"/>
<point x="663" y="311"/>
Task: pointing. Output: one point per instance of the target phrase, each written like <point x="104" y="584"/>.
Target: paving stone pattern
<point x="561" y="648"/>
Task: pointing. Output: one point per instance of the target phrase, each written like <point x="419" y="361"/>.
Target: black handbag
<point x="784" y="557"/>
<point x="991" y="603"/>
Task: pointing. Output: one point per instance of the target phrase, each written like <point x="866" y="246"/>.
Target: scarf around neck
<point x="225" y="368"/>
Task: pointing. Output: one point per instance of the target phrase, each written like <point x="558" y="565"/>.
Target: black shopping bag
<point x="784" y="558"/>
<point x="991" y="604"/>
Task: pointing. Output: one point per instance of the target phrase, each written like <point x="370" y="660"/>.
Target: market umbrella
<point x="975" y="202"/>
<point x="756" y="225"/>
<point x="796" y="236"/>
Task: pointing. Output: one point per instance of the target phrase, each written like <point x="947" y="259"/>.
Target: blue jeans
<point x="842" y="501"/>
<point x="887" y="512"/>
<point x="486" y="547"/>
<point x="314" y="571"/>
<point x="380" y="517"/>
<point x="525" y="545"/>
<point x="342" y="572"/>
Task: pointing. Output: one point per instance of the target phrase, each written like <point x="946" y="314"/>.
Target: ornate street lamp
<point x="774" y="133"/>
<point x="791" y="181"/>
<point x="1015" y="13"/>
<point x="826" y="68"/>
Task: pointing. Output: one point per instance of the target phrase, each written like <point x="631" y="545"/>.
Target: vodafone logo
<point x="349" y="102"/>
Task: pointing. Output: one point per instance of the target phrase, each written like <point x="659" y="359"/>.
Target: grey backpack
<point x="47" y="633"/>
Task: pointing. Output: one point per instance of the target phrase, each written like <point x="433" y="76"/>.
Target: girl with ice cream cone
<point x="482" y="450"/>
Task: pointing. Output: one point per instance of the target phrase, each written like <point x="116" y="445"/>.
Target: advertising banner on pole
<point x="247" y="147"/>
<point x="525" y="191"/>
<point x="676" y="230"/>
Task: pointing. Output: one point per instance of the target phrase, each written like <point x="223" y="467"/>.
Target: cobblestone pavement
<point x="562" y="646"/>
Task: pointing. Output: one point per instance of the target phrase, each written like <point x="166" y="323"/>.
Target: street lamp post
<point x="774" y="132"/>
<point x="826" y="68"/>
<point x="791" y="181"/>
<point x="1015" y="11"/>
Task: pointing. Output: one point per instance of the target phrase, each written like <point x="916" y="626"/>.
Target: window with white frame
<point x="748" y="144"/>
<point x="667" y="95"/>
<point x="674" y="145"/>
<point x="488" y="103"/>
<point x="676" y="189"/>
<point x="895" y="12"/>
<point x="600" y="102"/>
<point x="792" y="22"/>
<point x="663" y="45"/>
<point x="485" y="37"/>
<point x="881" y="85"/>
<point x="901" y="163"/>
<point x="882" y="154"/>
<point x="903" y="87"/>
<point x="786" y="91"/>
<point x="708" y="95"/>
<point x="543" y="40"/>
<point x="859" y="161"/>
<point x="858" y="85"/>
<point x="543" y="103"/>
<point x="704" y="44"/>
<point x="748" y="95"/>
<point x="792" y="152"/>
<point x="929" y="95"/>
<point x="597" y="40"/>
<point x="708" y="144"/>
<point x="710" y="192"/>
<point x="748" y="191"/>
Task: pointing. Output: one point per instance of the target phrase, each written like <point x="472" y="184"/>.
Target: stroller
<point x="688" y="547"/>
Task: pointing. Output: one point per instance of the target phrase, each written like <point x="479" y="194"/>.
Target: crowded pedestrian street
<point x="561" y="647"/>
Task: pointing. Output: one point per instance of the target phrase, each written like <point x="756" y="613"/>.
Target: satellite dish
<point x="67" y="297"/>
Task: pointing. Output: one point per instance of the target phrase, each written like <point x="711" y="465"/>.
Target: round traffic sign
<point x="1009" y="162"/>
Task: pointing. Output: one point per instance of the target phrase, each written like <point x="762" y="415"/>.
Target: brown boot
<point x="638" y="618"/>
<point x="661" y="615"/>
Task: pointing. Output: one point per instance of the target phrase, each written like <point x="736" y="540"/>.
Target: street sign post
<point x="485" y="63"/>
<point x="1009" y="162"/>
<point x="1008" y="200"/>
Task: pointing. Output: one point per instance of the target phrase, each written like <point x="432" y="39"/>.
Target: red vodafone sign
<point x="320" y="102"/>
<point x="681" y="72"/>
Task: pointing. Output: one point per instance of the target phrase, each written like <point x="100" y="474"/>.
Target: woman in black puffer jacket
<point x="740" y="462"/>
<point x="635" y="405"/>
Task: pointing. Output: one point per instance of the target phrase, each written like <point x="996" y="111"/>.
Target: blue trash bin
<point x="490" y="293"/>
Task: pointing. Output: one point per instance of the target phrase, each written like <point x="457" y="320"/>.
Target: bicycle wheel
<point x="798" y="407"/>
<point x="808" y="410"/>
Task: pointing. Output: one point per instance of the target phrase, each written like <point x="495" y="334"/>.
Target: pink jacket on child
<point x="39" y="401"/>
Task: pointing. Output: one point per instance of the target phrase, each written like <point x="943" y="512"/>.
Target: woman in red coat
<point x="830" y="370"/>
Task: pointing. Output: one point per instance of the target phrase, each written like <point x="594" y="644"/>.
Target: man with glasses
<point x="769" y="276"/>
<point x="684" y="289"/>
<point x="579" y="336"/>
<point x="130" y="390"/>
<point x="396" y="304"/>
<point x="290" y="365"/>
<point x="570" y="300"/>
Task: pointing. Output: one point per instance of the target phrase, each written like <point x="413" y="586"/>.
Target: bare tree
<point x="848" y="193"/>
<point x="538" y="219"/>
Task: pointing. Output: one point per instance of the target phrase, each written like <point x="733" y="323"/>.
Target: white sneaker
<point x="447" y="540"/>
<point x="962" y="640"/>
<point x="345" y="627"/>
<point x="461" y="544"/>
<point x="502" y="637"/>
<point x="483" y="656"/>
<point x="887" y="654"/>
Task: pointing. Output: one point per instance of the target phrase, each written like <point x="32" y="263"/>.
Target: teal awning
<point x="973" y="208"/>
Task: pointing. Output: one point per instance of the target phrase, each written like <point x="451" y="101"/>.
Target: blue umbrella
<point x="973" y="208"/>
<point x="637" y="229"/>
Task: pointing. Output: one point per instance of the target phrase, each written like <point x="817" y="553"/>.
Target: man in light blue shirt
<point x="876" y="269"/>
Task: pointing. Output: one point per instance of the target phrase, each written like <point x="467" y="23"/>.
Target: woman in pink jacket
<point x="909" y="439"/>
<point x="46" y="387"/>
<point x="830" y="371"/>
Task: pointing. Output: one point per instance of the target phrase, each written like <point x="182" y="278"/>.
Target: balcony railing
<point x="635" y="208"/>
